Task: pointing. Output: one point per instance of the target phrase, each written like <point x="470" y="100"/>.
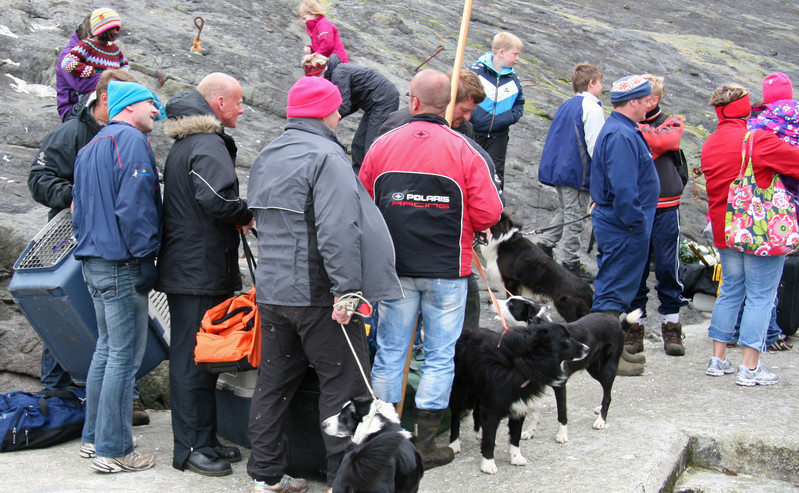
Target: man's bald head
<point x="431" y="91"/>
<point x="223" y="94"/>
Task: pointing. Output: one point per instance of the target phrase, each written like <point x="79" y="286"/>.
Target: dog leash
<point x="541" y="230"/>
<point x="476" y="261"/>
<point x="348" y="303"/>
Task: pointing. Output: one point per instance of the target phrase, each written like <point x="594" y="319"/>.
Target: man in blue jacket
<point x="504" y="102"/>
<point x="566" y="165"/>
<point x="117" y="222"/>
<point x="625" y="187"/>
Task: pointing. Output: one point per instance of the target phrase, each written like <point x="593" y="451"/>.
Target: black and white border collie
<point x="383" y="459"/>
<point x="501" y="375"/>
<point x="524" y="269"/>
<point x="601" y="332"/>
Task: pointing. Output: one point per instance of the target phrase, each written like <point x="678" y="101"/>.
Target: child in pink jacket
<point x="324" y="35"/>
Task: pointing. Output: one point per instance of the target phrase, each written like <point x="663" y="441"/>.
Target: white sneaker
<point x="133" y="462"/>
<point x="716" y="367"/>
<point x="758" y="376"/>
<point x="88" y="451"/>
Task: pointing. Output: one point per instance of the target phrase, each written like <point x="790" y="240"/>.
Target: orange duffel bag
<point x="229" y="338"/>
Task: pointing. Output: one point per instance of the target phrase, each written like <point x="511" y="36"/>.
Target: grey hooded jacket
<point x="320" y="234"/>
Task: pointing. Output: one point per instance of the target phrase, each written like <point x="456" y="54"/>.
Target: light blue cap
<point x="124" y="93"/>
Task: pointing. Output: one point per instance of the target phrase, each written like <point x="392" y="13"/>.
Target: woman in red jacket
<point x="747" y="279"/>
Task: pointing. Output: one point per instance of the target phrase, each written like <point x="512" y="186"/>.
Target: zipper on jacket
<point x="494" y="112"/>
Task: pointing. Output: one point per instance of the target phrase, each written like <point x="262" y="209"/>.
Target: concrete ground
<point x="671" y="416"/>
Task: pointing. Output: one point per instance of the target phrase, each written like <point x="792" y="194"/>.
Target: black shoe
<point x="140" y="416"/>
<point x="579" y="270"/>
<point x="549" y="250"/>
<point x="230" y="454"/>
<point x="202" y="464"/>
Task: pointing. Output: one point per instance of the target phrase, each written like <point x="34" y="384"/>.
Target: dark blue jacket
<point x="504" y="102"/>
<point x="565" y="160"/>
<point x="117" y="196"/>
<point x="623" y="176"/>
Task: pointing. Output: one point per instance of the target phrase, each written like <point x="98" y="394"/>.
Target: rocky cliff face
<point x="696" y="46"/>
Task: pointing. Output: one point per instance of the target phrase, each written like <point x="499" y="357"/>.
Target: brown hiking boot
<point x="425" y="429"/>
<point x="634" y="342"/>
<point x="672" y="338"/>
<point x="633" y="358"/>
<point x="627" y="369"/>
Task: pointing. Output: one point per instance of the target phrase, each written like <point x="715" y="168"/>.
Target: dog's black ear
<point x="362" y="405"/>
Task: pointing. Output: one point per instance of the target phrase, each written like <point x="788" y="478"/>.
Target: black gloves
<point x="149" y="275"/>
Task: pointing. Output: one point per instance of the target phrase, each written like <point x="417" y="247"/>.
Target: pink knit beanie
<point x="776" y="87"/>
<point x="313" y="97"/>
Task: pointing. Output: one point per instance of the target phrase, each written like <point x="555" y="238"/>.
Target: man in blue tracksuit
<point x="117" y="222"/>
<point x="625" y="187"/>
<point x="504" y="102"/>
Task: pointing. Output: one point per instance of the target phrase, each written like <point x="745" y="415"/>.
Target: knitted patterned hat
<point x="630" y="87"/>
<point x="123" y="93"/>
<point x="313" y="97"/>
<point x="104" y="19"/>
<point x="776" y="87"/>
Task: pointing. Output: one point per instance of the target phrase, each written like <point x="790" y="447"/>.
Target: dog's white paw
<point x="563" y="434"/>
<point x="598" y="409"/>
<point x="528" y="433"/>
<point x="488" y="466"/>
<point x="599" y="424"/>
<point x="456" y="446"/>
<point x="516" y="457"/>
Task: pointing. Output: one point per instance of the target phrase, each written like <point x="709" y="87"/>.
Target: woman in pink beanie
<point x="776" y="87"/>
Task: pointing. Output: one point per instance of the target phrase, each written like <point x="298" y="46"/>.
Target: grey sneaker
<point x="133" y="462"/>
<point x="717" y="368"/>
<point x="87" y="450"/>
<point x="758" y="376"/>
<point x="287" y="484"/>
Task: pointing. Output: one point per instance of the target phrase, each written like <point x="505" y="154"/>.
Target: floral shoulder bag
<point x="761" y="221"/>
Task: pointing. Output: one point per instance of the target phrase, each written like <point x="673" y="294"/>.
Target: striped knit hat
<point x="104" y="19"/>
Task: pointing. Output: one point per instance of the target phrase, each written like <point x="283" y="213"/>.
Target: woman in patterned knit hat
<point x="99" y="52"/>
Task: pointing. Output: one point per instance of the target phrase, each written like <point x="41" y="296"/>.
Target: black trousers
<point x="293" y="338"/>
<point x="497" y="148"/>
<point x="191" y="391"/>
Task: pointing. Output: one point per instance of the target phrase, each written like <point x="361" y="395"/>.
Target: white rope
<point x="348" y="303"/>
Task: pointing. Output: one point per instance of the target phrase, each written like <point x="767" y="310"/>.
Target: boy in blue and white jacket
<point x="566" y="164"/>
<point x="504" y="102"/>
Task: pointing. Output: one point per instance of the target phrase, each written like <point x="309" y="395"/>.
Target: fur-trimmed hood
<point x="188" y="113"/>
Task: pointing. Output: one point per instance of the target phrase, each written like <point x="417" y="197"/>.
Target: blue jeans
<point x="442" y="303"/>
<point x="664" y="250"/>
<point x="54" y="377"/>
<point x="751" y="281"/>
<point x="774" y="331"/>
<point x="121" y="340"/>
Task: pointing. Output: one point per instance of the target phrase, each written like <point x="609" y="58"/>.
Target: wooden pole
<point x="456" y="67"/>
<point x="407" y="367"/>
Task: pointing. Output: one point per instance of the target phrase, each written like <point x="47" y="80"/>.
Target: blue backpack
<point x="39" y="420"/>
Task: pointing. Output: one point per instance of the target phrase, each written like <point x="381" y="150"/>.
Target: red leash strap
<point x="476" y="261"/>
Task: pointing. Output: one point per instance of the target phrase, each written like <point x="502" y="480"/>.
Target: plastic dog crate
<point x="48" y="287"/>
<point x="306" y="450"/>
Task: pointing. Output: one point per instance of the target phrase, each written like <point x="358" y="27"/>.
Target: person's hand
<point x="247" y="227"/>
<point x="340" y="316"/>
<point x="149" y="275"/>
<point x="307" y="50"/>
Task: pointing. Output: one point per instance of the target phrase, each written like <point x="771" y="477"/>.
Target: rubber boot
<point x="627" y="369"/>
<point x="634" y="342"/>
<point x="425" y="429"/>
<point x="672" y="338"/>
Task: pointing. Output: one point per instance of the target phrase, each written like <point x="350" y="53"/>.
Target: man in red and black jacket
<point x="434" y="190"/>
<point x="663" y="133"/>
